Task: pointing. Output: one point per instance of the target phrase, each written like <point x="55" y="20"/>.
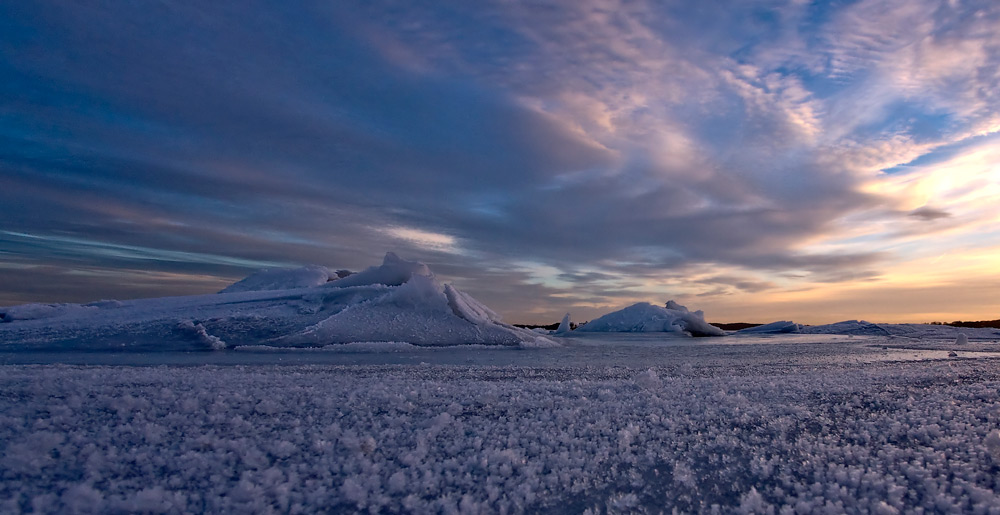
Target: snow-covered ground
<point x="619" y="423"/>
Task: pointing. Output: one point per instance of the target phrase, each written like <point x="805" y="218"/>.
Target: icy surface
<point x="644" y="317"/>
<point x="741" y="427"/>
<point x="396" y="301"/>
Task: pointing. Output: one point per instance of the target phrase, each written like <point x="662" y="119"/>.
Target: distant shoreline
<point x="738" y="326"/>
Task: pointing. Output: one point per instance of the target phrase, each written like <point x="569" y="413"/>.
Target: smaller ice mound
<point x="565" y="325"/>
<point x="644" y="317"/>
<point x="780" y="327"/>
<point x="283" y="279"/>
<point x="855" y="327"/>
<point x="962" y="339"/>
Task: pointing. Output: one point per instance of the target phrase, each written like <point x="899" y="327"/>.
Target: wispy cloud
<point x="627" y="149"/>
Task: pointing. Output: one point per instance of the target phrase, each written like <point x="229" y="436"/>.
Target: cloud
<point x="425" y="239"/>
<point x="928" y="214"/>
<point x="83" y="284"/>
<point x="624" y="149"/>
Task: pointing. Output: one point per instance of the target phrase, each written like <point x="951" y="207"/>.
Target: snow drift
<point x="399" y="301"/>
<point x="647" y="318"/>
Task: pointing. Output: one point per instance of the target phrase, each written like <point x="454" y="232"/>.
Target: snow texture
<point x="644" y="317"/>
<point x="397" y="301"/>
<point x="855" y="438"/>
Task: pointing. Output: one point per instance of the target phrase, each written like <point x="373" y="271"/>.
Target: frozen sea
<point x="605" y="423"/>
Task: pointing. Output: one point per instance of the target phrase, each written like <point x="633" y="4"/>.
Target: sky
<point x="760" y="160"/>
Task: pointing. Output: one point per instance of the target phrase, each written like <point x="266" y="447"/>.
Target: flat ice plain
<point x="797" y="423"/>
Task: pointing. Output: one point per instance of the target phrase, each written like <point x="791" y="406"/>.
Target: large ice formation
<point x="399" y="301"/>
<point x="647" y="318"/>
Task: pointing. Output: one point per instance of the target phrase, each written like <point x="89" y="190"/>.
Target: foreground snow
<point x="311" y="306"/>
<point x="753" y="436"/>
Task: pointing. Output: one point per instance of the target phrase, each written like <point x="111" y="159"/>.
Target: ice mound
<point x="781" y="327"/>
<point x="920" y="331"/>
<point x="399" y="301"/>
<point x="282" y="279"/>
<point x="420" y="311"/>
<point x="855" y="327"/>
<point x="565" y="325"/>
<point x="644" y="317"/>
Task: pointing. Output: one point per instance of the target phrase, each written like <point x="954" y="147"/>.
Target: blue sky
<point x="759" y="160"/>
